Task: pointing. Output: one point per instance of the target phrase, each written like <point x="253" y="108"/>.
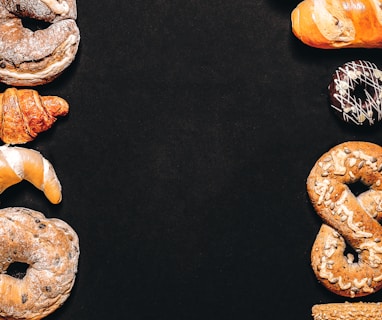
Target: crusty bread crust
<point x="30" y="58"/>
<point x="46" y="10"/>
<point x="347" y="311"/>
<point x="348" y="218"/>
<point x="18" y="163"/>
<point x="51" y="249"/>
<point x="24" y="114"/>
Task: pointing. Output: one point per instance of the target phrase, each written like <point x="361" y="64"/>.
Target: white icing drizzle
<point x="339" y="158"/>
<point x="354" y="109"/>
<point x="321" y="188"/>
<point x="347" y="216"/>
<point x="339" y="163"/>
<point x="373" y="249"/>
<point x="326" y="265"/>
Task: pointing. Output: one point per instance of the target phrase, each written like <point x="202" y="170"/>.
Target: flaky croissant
<point x="333" y="24"/>
<point x="18" y="163"/>
<point x="24" y="114"/>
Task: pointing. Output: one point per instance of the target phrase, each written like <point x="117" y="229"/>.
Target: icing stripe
<point x="364" y="76"/>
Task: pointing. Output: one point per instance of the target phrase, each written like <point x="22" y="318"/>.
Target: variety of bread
<point x="50" y="247"/>
<point x="355" y="94"/>
<point x="30" y="56"/>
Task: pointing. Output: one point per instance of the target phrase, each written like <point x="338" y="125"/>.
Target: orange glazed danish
<point x="331" y="24"/>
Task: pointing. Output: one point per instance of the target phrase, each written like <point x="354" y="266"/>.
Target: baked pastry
<point x="355" y="92"/>
<point x="30" y="58"/>
<point x="333" y="24"/>
<point x="347" y="311"/>
<point x="50" y="249"/>
<point x="348" y="219"/>
<point x="17" y="164"/>
<point x="24" y="114"/>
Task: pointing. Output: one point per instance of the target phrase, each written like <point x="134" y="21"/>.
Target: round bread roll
<point x="50" y="248"/>
<point x="28" y="57"/>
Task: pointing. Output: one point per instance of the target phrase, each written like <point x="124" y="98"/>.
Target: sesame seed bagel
<point x="348" y="219"/>
<point x="51" y="249"/>
<point x="30" y="58"/>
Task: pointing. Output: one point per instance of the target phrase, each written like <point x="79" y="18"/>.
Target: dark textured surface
<point x="193" y="127"/>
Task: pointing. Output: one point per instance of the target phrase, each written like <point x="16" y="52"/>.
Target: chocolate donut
<point x="355" y="92"/>
<point x="35" y="57"/>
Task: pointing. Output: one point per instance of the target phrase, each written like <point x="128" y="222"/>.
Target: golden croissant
<point x="24" y="114"/>
<point x="333" y="24"/>
<point x="18" y="163"/>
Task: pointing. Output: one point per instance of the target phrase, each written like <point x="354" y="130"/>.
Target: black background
<point x="193" y="127"/>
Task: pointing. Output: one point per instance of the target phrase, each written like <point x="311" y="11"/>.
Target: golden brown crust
<point x="29" y="58"/>
<point x="17" y="164"/>
<point x="25" y="114"/>
<point x="51" y="249"/>
<point x="348" y="219"/>
<point x="347" y="311"/>
<point x="333" y="24"/>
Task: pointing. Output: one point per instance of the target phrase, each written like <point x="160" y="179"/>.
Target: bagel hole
<point x="34" y="24"/>
<point x="17" y="269"/>
<point x="361" y="91"/>
<point x="358" y="187"/>
<point x="350" y="254"/>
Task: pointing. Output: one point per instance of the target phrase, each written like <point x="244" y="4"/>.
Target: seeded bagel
<point x="50" y="249"/>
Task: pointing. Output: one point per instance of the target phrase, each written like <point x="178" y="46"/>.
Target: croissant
<point x="334" y="24"/>
<point x="24" y="114"/>
<point x="18" y="163"/>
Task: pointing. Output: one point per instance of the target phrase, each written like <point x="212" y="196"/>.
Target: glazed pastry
<point x="30" y="58"/>
<point x="355" y="92"/>
<point x="333" y="24"/>
<point x="50" y="249"/>
<point x="24" y="114"/>
<point x="348" y="219"/>
<point x="347" y="311"/>
<point x="17" y="164"/>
